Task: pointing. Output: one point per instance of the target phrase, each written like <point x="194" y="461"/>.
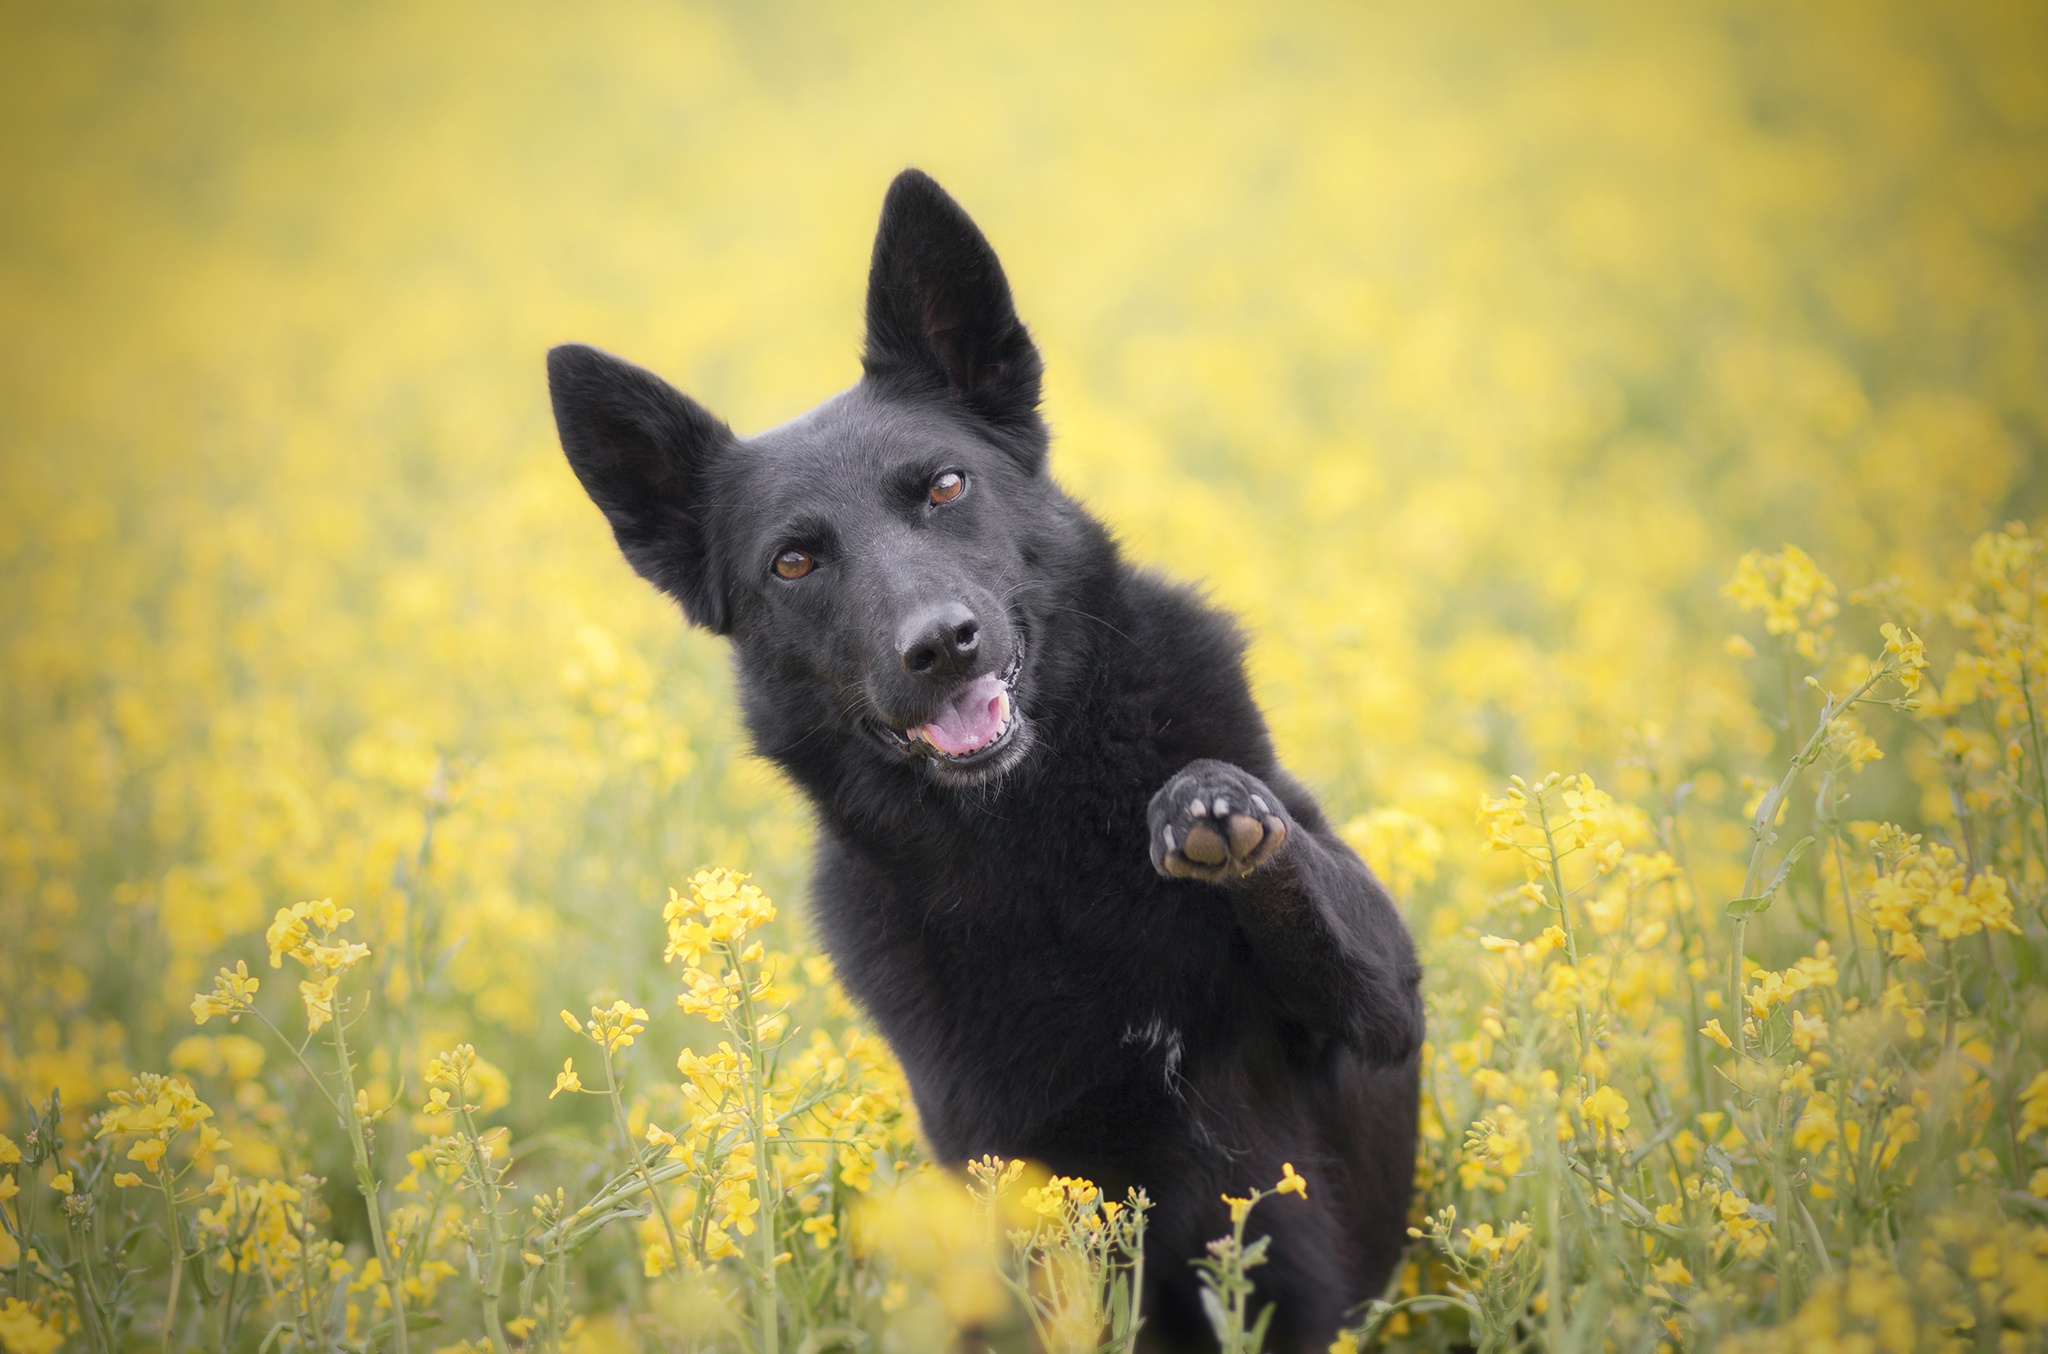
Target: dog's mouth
<point x="974" y="722"/>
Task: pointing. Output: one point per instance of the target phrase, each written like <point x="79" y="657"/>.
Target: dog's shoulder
<point x="1188" y="658"/>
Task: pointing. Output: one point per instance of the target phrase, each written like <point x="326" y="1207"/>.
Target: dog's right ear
<point x="642" y="449"/>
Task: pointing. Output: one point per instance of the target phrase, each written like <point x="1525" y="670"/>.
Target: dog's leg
<point x="1326" y="935"/>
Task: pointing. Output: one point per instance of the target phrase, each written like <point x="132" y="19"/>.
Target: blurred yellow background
<point x="1459" y="348"/>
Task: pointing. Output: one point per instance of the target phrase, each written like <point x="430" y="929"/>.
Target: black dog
<point x="1099" y="924"/>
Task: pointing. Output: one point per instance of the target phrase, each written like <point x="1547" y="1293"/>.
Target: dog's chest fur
<point x="1018" y="949"/>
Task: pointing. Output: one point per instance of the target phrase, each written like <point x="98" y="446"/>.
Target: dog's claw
<point x="1197" y="809"/>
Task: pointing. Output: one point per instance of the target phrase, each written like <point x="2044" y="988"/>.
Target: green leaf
<point x="1749" y="907"/>
<point x="1785" y="866"/>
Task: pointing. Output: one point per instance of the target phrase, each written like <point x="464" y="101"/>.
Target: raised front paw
<point x="1215" y="822"/>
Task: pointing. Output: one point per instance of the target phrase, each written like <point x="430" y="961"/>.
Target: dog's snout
<point x="939" y="644"/>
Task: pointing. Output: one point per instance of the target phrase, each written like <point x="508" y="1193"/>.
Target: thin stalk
<point x="493" y="1283"/>
<point x="766" y="1313"/>
<point x="1564" y="913"/>
<point x="2034" y="732"/>
<point x="1782" y="1232"/>
<point x="613" y="1091"/>
<point x="1766" y="818"/>
<point x="25" y="1213"/>
<point x="366" y="1182"/>
<point x="170" y="1191"/>
<point x="1849" y="916"/>
<point x="1554" y="1257"/>
<point x="85" y="1286"/>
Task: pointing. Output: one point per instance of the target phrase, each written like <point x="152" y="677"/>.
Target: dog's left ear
<point x="940" y="320"/>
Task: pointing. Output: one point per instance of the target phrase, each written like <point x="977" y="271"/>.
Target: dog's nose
<point x="938" y="643"/>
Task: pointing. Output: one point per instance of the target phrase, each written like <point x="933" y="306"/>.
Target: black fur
<point x="1061" y="978"/>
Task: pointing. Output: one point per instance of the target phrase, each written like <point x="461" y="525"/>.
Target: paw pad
<point x="1215" y="821"/>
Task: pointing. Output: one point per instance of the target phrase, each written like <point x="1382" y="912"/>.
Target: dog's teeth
<point x="1221" y="807"/>
<point x="1197" y="809"/>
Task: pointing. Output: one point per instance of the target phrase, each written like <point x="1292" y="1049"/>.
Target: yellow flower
<point x="150" y="1152"/>
<point x="566" y="1079"/>
<point x="1904" y="648"/>
<point x="10" y="1152"/>
<point x="823" y="1230"/>
<point x="1238" y="1208"/>
<point x="1480" y="1241"/>
<point x="291" y="933"/>
<point x="23" y="1332"/>
<point x="1901" y="999"/>
<point x="1815" y="1127"/>
<point x="2034" y="1106"/>
<point x="1671" y="1271"/>
<point x="233" y="991"/>
<point x="1500" y="818"/>
<point x="1807" y="1031"/>
<point x="285" y="934"/>
<point x="1956" y="910"/>
<point x="1290" y="1183"/>
<point x="722" y="909"/>
<point x="319" y="999"/>
<point x="1607" y="1109"/>
<point x="61" y="1182"/>
<point x="1789" y="588"/>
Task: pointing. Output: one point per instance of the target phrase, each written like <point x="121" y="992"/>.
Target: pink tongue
<point x="971" y="720"/>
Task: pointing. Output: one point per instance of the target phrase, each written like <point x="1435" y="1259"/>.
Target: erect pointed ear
<point x="939" y="313"/>
<point x="642" y="449"/>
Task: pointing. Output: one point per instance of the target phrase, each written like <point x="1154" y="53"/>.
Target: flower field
<point x="1622" y="429"/>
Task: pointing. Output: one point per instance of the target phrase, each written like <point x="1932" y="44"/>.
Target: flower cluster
<point x="305" y="933"/>
<point x="1797" y="599"/>
<point x="1933" y="890"/>
<point x="156" y="1110"/>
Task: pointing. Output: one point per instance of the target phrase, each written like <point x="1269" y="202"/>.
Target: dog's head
<point x="879" y="562"/>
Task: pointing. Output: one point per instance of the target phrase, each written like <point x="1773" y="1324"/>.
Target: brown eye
<point x="793" y="564"/>
<point x="946" y="486"/>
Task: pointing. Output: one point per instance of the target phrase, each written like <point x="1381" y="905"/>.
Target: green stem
<point x="177" y="1255"/>
<point x="25" y="1214"/>
<point x="366" y="1182"/>
<point x="766" y="1314"/>
<point x="1766" y="818"/>
<point x="85" y="1286"/>
<point x="612" y="1090"/>
<point x="1554" y="1256"/>
<point x="2034" y="736"/>
<point x="493" y="1282"/>
<point x="1571" y="938"/>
